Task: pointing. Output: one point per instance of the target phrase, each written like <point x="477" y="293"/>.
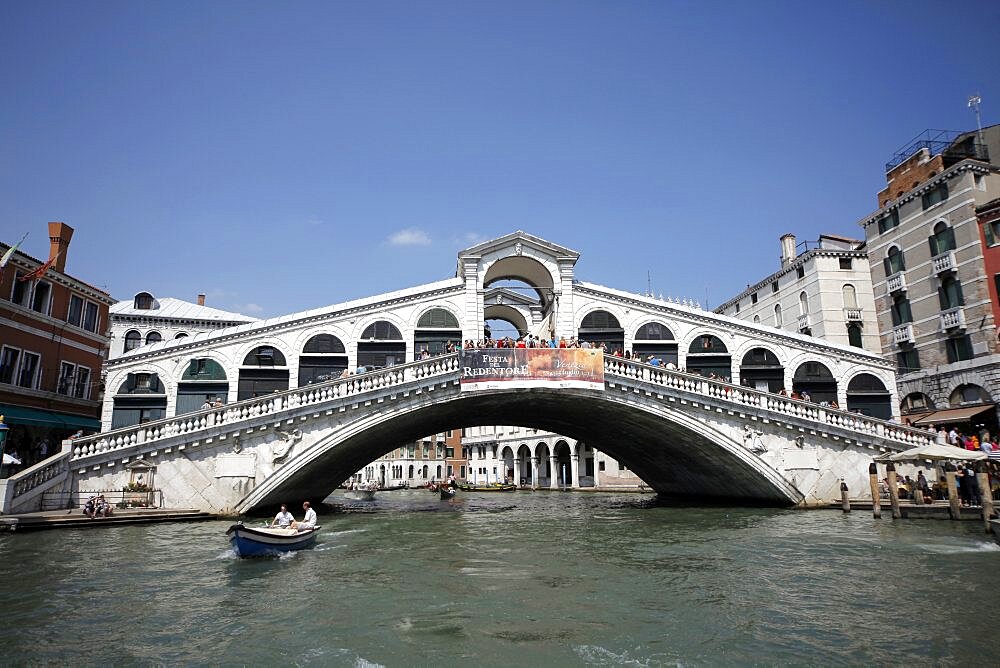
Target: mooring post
<point x="986" y="493"/>
<point x="890" y="469"/>
<point x="876" y="498"/>
<point x="954" y="504"/>
<point x="844" y="501"/>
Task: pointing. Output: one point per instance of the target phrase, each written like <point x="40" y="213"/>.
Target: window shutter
<point x="154" y="383"/>
<point x="988" y="232"/>
<point x="129" y="383"/>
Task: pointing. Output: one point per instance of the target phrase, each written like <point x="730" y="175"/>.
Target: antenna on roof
<point x="649" y="284"/>
<point x="975" y="101"/>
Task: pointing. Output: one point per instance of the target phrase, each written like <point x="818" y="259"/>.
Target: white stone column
<point x="574" y="467"/>
<point x="534" y="472"/>
<point x="517" y="471"/>
<point x="553" y="472"/>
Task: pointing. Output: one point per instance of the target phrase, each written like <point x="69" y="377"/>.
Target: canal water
<point x="511" y="579"/>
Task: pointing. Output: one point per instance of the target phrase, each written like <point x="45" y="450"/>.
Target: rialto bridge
<point x="289" y="426"/>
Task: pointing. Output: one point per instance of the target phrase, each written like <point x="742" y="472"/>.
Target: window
<point x="438" y="318"/>
<point x="8" y="363"/>
<point x="27" y="376"/>
<point x="382" y="330"/>
<point x="82" y="388"/>
<point x="756" y="320"/>
<point x="901" y="311"/>
<point x="803" y="303"/>
<point x="943" y="239"/>
<point x="774" y="287"/>
<point x="846" y="263"/>
<point x="908" y="360"/>
<point x="950" y="294"/>
<point x="40" y="297"/>
<point x="753" y="298"/>
<point x="800" y="271"/>
<point x="935" y="196"/>
<point x="75" y="315"/>
<point x="133" y="339"/>
<point x="737" y="307"/>
<point x="959" y="348"/>
<point x="854" y="335"/>
<point x="90" y="319"/>
<point x="181" y="335"/>
<point x="968" y="394"/>
<point x="991" y="230"/>
<point x="143" y="301"/>
<point x="21" y="291"/>
<point x="67" y="376"/>
<point x="450" y="433"/>
<point x="600" y="466"/>
<point x="888" y="221"/>
<point x="894" y="261"/>
<point x="153" y="337"/>
<point x="850" y="296"/>
<point x="777" y="315"/>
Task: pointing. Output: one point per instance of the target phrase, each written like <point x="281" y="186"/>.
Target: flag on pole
<point x="10" y="252"/>
<point x="38" y="273"/>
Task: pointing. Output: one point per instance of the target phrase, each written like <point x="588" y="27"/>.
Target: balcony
<point x="852" y="314"/>
<point x="953" y="319"/>
<point x="944" y="262"/>
<point x="903" y="334"/>
<point x="803" y="322"/>
<point x="896" y="282"/>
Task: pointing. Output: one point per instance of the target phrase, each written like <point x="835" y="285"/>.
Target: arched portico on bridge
<point x="677" y="454"/>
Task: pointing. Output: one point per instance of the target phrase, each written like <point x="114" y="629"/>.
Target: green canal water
<point x="511" y="579"/>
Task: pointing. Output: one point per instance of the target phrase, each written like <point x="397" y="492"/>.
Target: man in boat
<point x="309" y="521"/>
<point x="283" y="519"/>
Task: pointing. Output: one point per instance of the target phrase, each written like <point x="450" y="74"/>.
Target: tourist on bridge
<point x="283" y="519"/>
<point x="309" y="521"/>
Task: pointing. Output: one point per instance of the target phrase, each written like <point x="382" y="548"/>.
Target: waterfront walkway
<point x="72" y="519"/>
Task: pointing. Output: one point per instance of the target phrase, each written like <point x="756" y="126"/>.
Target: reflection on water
<point x="567" y="579"/>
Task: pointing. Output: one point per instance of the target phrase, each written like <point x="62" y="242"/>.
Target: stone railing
<point x="903" y="334"/>
<point x="717" y="389"/>
<point x="944" y="262"/>
<point x="18" y="492"/>
<point x="896" y="282"/>
<point x="852" y="315"/>
<point x="953" y="318"/>
<point x="271" y="404"/>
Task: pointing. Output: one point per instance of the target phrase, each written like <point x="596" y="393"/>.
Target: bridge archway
<point x="600" y="326"/>
<point x="816" y="380"/>
<point x="381" y="344"/>
<point x="526" y="269"/>
<point x="708" y="355"/>
<point x="436" y="328"/>
<point x="675" y="453"/>
<point x="203" y="380"/>
<point x="762" y="370"/>
<point x="323" y="357"/>
<point x="867" y="394"/>
<point x="507" y="314"/>
<point x="657" y="339"/>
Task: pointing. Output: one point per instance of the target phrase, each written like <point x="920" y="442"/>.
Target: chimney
<point x="59" y="236"/>
<point x="201" y="300"/>
<point x="787" y="249"/>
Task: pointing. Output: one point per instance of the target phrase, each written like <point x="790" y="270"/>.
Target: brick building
<point x="53" y="340"/>
<point x="933" y="269"/>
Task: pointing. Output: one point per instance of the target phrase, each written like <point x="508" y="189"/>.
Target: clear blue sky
<point x="287" y="155"/>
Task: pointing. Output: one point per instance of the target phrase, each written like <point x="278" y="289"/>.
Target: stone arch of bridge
<point x="521" y="268"/>
<point x="508" y="314"/>
<point x="678" y="455"/>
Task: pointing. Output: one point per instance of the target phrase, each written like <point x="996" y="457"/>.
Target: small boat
<point x="394" y="488"/>
<point x="510" y="487"/>
<point x="447" y="492"/>
<point x="360" y="494"/>
<point x="262" y="542"/>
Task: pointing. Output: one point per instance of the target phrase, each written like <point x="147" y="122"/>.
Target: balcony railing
<point x="903" y="334"/>
<point x="896" y="282"/>
<point x="852" y="314"/>
<point x="953" y="319"/>
<point x="803" y="322"/>
<point x="944" y="262"/>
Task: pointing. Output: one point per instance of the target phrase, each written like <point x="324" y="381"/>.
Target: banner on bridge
<point x="509" y="368"/>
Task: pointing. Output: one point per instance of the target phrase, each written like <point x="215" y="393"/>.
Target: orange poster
<point x="504" y="368"/>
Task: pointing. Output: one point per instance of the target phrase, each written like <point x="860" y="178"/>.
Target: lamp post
<point x="3" y="438"/>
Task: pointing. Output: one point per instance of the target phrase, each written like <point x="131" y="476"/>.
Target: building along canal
<point x="500" y="579"/>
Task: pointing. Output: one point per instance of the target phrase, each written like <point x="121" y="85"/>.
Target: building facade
<point x="824" y="290"/>
<point x="53" y="340"/>
<point x="934" y="268"/>
<point x="412" y="464"/>
<point x="145" y="319"/>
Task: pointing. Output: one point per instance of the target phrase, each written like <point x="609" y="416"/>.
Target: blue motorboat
<point x="266" y="541"/>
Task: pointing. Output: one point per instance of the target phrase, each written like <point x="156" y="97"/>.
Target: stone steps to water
<point x="72" y="519"/>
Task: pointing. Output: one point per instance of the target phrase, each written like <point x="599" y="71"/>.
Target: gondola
<point x="262" y="542"/>
<point x="447" y="492"/>
<point x="496" y="487"/>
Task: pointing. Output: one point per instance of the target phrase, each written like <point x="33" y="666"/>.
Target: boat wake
<point x="978" y="546"/>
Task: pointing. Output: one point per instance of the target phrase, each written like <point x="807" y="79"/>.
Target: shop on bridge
<point x="264" y="371"/>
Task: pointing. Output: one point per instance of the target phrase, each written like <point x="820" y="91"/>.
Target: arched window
<point x="263" y="373"/>
<point x="916" y="402"/>
<point x="708" y="355"/>
<point x="601" y="327"/>
<point x="381" y="330"/>
<point x="803" y="303"/>
<point x="894" y="261"/>
<point x="141" y="398"/>
<point x="381" y="345"/>
<point x="438" y="318"/>
<point x="761" y="369"/>
<point x="867" y="394"/>
<point x="203" y="381"/>
<point x="264" y="356"/>
<point x="133" y="339"/>
<point x="756" y="320"/>
<point x="656" y="339"/>
<point x="969" y="394"/>
<point x="143" y="301"/>
<point x="850" y="296"/>
<point x="324" y="343"/>
<point x="815" y="379"/>
<point x="943" y="239"/>
<point x="777" y="315"/>
<point x="181" y="335"/>
<point x="153" y="337"/>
